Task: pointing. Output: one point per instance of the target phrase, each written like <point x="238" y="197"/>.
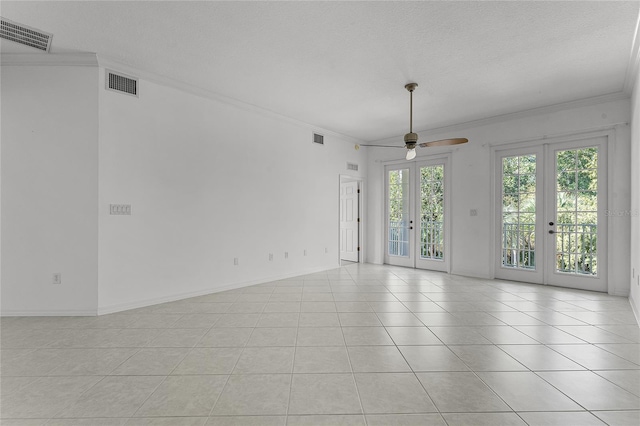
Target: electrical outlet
<point x="473" y="212"/>
<point x="305" y="252"/>
<point x="271" y="256"/>
<point x="286" y="254"/>
<point x="57" y="278"/>
<point x="235" y="261"/>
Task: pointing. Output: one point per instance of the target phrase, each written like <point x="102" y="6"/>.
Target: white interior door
<point x="549" y="221"/>
<point x="417" y="226"/>
<point x="349" y="221"/>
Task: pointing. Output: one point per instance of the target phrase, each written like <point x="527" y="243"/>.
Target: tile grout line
<point x="353" y="374"/>
<point x="293" y="365"/>
<point x="364" y="288"/>
<point x="213" y="406"/>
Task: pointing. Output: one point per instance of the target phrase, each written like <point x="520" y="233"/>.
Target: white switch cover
<point x="120" y="209"/>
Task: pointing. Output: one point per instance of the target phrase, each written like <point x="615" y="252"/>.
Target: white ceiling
<point x="342" y="65"/>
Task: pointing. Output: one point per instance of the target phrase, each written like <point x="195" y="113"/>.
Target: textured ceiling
<point x="343" y="65"/>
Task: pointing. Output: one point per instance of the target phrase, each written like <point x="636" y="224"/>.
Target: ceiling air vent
<point x="352" y="166"/>
<point x="318" y="138"/>
<point x="25" y="35"/>
<point x="122" y="83"/>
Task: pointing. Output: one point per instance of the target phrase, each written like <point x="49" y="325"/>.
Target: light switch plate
<point x="120" y="209"/>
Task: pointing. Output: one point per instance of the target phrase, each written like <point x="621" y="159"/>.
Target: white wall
<point x="209" y="182"/>
<point x="635" y="198"/>
<point x="472" y="182"/>
<point x="49" y="189"/>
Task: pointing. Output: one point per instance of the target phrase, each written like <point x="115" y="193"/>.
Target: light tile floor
<point x="359" y="345"/>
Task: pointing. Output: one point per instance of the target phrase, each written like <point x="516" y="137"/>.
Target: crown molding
<point x="105" y="62"/>
<point x="634" y="61"/>
<point x="549" y="109"/>
<point x="49" y="59"/>
<point x="94" y="60"/>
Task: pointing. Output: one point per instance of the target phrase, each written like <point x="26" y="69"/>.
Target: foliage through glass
<point x="432" y="212"/>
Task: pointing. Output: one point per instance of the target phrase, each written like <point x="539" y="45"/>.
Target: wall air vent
<point x="27" y="36"/>
<point x="352" y="166"/>
<point x="121" y="83"/>
<point x="318" y="138"/>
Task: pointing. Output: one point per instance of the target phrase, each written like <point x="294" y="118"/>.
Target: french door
<point x="550" y="221"/>
<point x="417" y="226"/>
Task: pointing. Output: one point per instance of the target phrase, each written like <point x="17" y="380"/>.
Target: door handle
<point x="551" y="231"/>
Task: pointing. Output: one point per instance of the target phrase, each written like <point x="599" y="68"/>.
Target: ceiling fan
<point x="411" y="139"/>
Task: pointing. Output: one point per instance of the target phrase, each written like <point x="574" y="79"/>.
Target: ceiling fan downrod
<point x="411" y="87"/>
<point x="411" y="139"/>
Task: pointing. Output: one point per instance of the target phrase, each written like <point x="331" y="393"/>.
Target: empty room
<point x="319" y="213"/>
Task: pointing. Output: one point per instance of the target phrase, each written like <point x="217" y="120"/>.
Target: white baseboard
<point x="110" y="309"/>
<point x="57" y="313"/>
<point x="470" y="273"/>
<point x="634" y="309"/>
<point x="619" y="293"/>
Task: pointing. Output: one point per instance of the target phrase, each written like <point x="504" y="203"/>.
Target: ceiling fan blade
<point x="383" y="146"/>
<point x="444" y="142"/>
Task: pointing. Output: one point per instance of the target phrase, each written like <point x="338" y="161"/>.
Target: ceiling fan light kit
<point x="411" y="139"/>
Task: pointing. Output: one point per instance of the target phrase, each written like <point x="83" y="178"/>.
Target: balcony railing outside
<point x="398" y="238"/>
<point x="576" y="247"/>
<point x="431" y="239"/>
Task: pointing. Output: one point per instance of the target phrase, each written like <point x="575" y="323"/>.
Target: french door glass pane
<point x="432" y="212"/>
<point x="519" y="212"/>
<point x="398" y="212"/>
<point x="577" y="211"/>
